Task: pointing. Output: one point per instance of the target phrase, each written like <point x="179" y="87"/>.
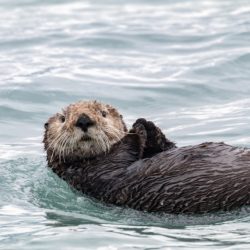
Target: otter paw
<point x="139" y="129"/>
<point x="154" y="134"/>
<point x="156" y="141"/>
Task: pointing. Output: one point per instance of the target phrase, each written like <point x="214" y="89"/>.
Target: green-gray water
<point x="183" y="64"/>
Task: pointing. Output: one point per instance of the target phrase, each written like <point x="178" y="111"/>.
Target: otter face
<point x="84" y="129"/>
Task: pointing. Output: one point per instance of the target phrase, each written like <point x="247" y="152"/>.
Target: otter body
<point x="145" y="171"/>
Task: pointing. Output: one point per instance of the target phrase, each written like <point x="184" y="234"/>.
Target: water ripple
<point x="183" y="64"/>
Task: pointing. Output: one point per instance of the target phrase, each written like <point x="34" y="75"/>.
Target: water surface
<point x="183" y="64"/>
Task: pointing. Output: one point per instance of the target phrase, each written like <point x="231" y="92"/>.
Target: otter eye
<point x="62" y="118"/>
<point x="104" y="113"/>
<point x="46" y="125"/>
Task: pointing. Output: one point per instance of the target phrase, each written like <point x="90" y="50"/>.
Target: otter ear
<point x="46" y="125"/>
<point x="112" y="110"/>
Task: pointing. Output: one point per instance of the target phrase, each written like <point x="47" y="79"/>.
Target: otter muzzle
<point x="84" y="122"/>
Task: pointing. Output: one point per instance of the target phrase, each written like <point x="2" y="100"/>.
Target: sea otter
<point x="88" y="146"/>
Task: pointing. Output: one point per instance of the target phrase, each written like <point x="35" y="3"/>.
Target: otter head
<point x="83" y="130"/>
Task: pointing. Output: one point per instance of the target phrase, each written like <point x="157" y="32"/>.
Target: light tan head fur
<point x="64" y="139"/>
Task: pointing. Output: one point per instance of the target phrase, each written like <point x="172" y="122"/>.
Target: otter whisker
<point x="60" y="147"/>
<point x="57" y="139"/>
<point x="106" y="143"/>
<point x="64" y="143"/>
<point x="53" y="141"/>
<point x="55" y="145"/>
<point x="114" y="133"/>
<point x="71" y="145"/>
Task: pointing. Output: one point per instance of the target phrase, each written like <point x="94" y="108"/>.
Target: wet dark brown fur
<point x="145" y="171"/>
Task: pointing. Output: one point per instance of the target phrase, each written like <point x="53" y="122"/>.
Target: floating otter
<point x="88" y="146"/>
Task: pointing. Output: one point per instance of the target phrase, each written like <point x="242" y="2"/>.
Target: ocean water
<point x="185" y="64"/>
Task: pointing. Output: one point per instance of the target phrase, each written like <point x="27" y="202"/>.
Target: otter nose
<point x="84" y="122"/>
